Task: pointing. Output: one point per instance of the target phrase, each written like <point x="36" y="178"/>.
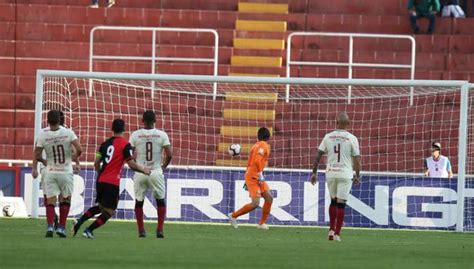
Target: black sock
<point x="101" y="220"/>
<point x="91" y="212"/>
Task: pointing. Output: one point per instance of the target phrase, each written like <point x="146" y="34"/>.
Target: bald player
<point x="343" y="157"/>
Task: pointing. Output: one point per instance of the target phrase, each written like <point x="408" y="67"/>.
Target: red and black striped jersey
<point x="113" y="153"/>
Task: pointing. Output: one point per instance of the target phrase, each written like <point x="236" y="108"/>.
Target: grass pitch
<point x="22" y="245"/>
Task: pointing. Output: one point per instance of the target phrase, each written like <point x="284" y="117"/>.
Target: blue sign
<point x="201" y="195"/>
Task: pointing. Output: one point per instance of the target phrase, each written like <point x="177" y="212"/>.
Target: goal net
<point x="395" y="121"/>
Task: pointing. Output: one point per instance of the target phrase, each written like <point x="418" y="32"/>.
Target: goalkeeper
<point x="254" y="181"/>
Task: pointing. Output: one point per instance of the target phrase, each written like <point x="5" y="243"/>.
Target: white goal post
<point x="204" y="183"/>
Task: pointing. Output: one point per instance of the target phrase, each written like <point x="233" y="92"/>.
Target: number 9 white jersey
<point x="57" y="146"/>
<point x="148" y="144"/>
<point x="340" y="146"/>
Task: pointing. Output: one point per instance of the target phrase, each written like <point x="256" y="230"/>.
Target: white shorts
<point x="58" y="184"/>
<point x="155" y="182"/>
<point x="339" y="187"/>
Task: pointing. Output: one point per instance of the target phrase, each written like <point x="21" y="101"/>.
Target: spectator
<point x="438" y="165"/>
<point x="452" y="8"/>
<point x="95" y="3"/>
<point x="423" y="8"/>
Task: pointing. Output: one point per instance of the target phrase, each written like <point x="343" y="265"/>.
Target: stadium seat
<point x="7" y="83"/>
<point x="24" y="119"/>
<point x="7" y="151"/>
<point x="7" y="136"/>
<point x="8" y="119"/>
<point x="463" y="27"/>
<point x="461" y="44"/>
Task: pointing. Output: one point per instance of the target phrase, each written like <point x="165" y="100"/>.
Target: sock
<point x="160" y="203"/>
<point x="63" y="213"/>
<point x="139" y="215"/>
<point x="332" y="214"/>
<point x="243" y="210"/>
<point x="101" y="220"/>
<point x="50" y="215"/>
<point x="265" y="212"/>
<point x="89" y="214"/>
<point x="339" y="218"/>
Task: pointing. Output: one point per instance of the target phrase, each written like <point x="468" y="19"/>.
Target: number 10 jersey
<point x="57" y="146"/>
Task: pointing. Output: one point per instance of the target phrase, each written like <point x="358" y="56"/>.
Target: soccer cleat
<point x="331" y="235"/>
<point x="75" y="226"/>
<point x="337" y="238"/>
<point x="61" y="232"/>
<point x="111" y="3"/>
<point x="160" y="234"/>
<point x="233" y="221"/>
<point x="94" y="6"/>
<point x="142" y="234"/>
<point x="263" y="227"/>
<point x="88" y="234"/>
<point x="49" y="232"/>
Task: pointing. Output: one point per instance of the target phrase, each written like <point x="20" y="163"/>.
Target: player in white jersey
<point x="148" y="144"/>
<point x="438" y="165"/>
<point x="44" y="169"/>
<point x="343" y="157"/>
<point x="58" y="181"/>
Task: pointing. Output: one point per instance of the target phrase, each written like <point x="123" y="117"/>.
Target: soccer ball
<point x="234" y="149"/>
<point x="8" y="211"/>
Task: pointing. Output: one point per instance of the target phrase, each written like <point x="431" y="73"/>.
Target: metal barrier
<point x="350" y="64"/>
<point x="153" y="58"/>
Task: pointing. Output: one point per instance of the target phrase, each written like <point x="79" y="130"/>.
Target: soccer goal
<point x="396" y="122"/>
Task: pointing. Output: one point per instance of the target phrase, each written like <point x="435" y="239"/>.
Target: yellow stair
<point x="263" y="7"/>
<point x="241" y="131"/>
<point x="249" y="114"/>
<point x="258" y="61"/>
<point x="253" y="75"/>
<point x="253" y="43"/>
<point x="251" y="96"/>
<point x="270" y="26"/>
<point x="244" y="148"/>
<point x="231" y="162"/>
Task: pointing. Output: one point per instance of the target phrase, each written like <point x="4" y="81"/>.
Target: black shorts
<point x="107" y="195"/>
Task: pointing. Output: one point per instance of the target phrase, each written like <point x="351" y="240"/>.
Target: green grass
<point x="22" y="245"/>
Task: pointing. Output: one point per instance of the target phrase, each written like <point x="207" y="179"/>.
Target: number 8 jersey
<point x="57" y="146"/>
<point x="148" y="144"/>
<point x="340" y="146"/>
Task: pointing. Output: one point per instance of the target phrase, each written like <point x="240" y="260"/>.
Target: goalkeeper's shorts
<point x="256" y="188"/>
